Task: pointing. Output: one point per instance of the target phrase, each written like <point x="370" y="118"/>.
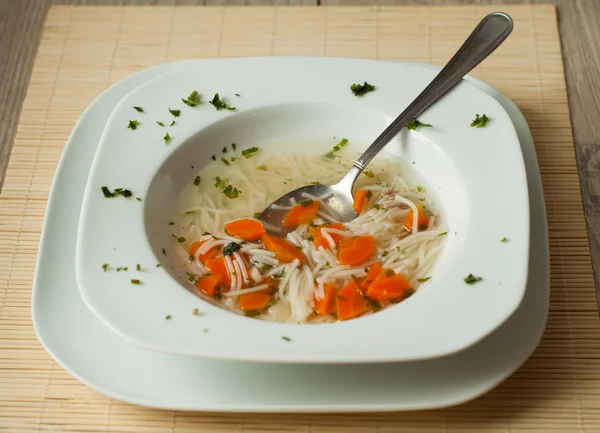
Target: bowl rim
<point x="94" y="293"/>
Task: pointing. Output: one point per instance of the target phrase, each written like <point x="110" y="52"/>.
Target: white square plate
<point x="127" y="372"/>
<point x="484" y="198"/>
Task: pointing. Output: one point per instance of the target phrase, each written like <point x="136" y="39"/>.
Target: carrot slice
<point x="354" y="251"/>
<point x="349" y="302"/>
<point x="284" y="250"/>
<point x="303" y="213"/>
<point x="324" y="305"/>
<point x="388" y="286"/>
<point x="422" y="219"/>
<point x="247" y="229"/>
<point x="218" y="267"/>
<point x="318" y="238"/>
<point x="207" y="255"/>
<point x="360" y="200"/>
<point x="373" y="273"/>
<point x="255" y="301"/>
<point x="208" y="284"/>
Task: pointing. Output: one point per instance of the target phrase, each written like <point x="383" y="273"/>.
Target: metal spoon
<point x="337" y="199"/>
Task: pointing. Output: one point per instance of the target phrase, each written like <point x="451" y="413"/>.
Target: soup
<point x="323" y="270"/>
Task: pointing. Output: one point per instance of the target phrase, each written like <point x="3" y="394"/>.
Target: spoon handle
<point x="486" y="37"/>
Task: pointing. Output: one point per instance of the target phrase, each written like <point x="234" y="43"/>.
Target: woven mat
<point x="86" y="49"/>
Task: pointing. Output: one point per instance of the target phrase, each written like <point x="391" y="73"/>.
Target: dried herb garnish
<point x="480" y="121"/>
<point x="133" y="124"/>
<point x="138" y="109"/>
<point x="192" y="100"/>
<point x="361" y="89"/>
<point x="220" y="104"/>
<point x="414" y="124"/>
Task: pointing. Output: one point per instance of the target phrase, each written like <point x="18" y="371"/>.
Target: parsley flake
<point x="361" y="89"/>
<point x="105" y="266"/>
<point x="172" y="123"/>
<point x="192" y="278"/>
<point x="220" y="104"/>
<point x="175" y="113"/>
<point x="286" y="338"/>
<point x="414" y="124"/>
<point x="247" y="153"/>
<point x="422" y="280"/>
<point x="305" y="203"/>
<point x="168" y="317"/>
<point x="231" y="192"/>
<point x="192" y="100"/>
<point x="167" y="138"/>
<point x="160" y="123"/>
<point x="231" y="248"/>
<point x="480" y="121"/>
<point x="369" y="174"/>
<point x="233" y="146"/>
<point x="472" y="279"/>
<point x="138" y="109"/>
<point x="133" y="124"/>
<point x="224" y="161"/>
<point x="197" y="180"/>
<point x="504" y="240"/>
<point x="118" y="191"/>
<point x="196" y="312"/>
<point x="136" y="282"/>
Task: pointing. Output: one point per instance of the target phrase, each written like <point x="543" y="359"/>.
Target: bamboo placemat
<point x="86" y="49"/>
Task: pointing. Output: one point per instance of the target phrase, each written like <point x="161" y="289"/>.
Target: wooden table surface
<point x="21" y="25"/>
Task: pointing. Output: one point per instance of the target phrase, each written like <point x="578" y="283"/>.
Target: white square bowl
<point x="479" y="172"/>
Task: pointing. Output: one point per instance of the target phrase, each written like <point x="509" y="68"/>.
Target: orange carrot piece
<point x="207" y="255"/>
<point x="284" y="250"/>
<point x="422" y="219"/>
<point x="388" y="286"/>
<point x="208" y="284"/>
<point x="255" y="301"/>
<point x="301" y="214"/>
<point x="318" y="238"/>
<point x="360" y="200"/>
<point x="373" y="273"/>
<point x="323" y="306"/>
<point x="354" y="251"/>
<point x="350" y="303"/>
<point x="247" y="229"/>
<point x="218" y="267"/>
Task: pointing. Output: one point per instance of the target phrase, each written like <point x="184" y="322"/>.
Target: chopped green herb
<point x="138" y="199"/>
<point x="315" y="183"/>
<point x="205" y="233"/>
<point x="168" y="317"/>
<point x="262" y="167"/>
<point x="256" y="214"/>
<point x="361" y="89"/>
<point x="164" y="252"/>
<point x="205" y="330"/>
<point x="389" y="273"/>
<point x="224" y="161"/>
<point x="220" y="183"/>
<point x="384" y="254"/>
<point x="175" y="113"/>
<point x="138" y="267"/>
<point x="247" y="153"/>
<point x="219" y="104"/>
<point x="160" y="124"/>
<point x="192" y="100"/>
<point x="191" y="258"/>
<point x="414" y="124"/>
<point x="233" y="158"/>
<point x="305" y="203"/>
<point x="224" y="149"/>
<point x="105" y="267"/>
<point x="167" y="138"/>
<point x="118" y="191"/>
<point x="138" y="109"/>
<point x="265" y="268"/>
<point x="214" y="157"/>
<point x="237" y="94"/>
<point x="171" y="223"/>
<point x="380" y="182"/>
<point x="196" y="312"/>
<point x="190" y="212"/>
<point x="376" y="206"/>
<point x="231" y="248"/>
<point x="180" y="239"/>
<point x="158" y="265"/>
<point x="376" y="305"/>
<point x="422" y="280"/>
<point x="252" y="313"/>
<point x="286" y="338"/>
<point x="504" y="240"/>
<point x="472" y="279"/>
<point x="233" y="146"/>
<point x="133" y="124"/>
<point x="443" y="234"/>
<point x="369" y="193"/>
<point x="197" y="180"/>
<point x="420" y="188"/>
<point x="369" y="174"/>
<point x="136" y="282"/>
<point x="231" y="192"/>
<point x="172" y="123"/>
<point x="480" y="121"/>
<point x="192" y="278"/>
